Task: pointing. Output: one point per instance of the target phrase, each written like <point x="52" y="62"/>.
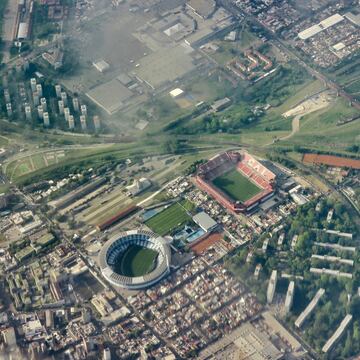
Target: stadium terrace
<point x="117" y="247"/>
<point x="236" y="180"/>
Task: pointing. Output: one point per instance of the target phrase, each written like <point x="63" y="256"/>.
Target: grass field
<point x="236" y="185"/>
<point x="168" y="219"/>
<point x="136" y="261"/>
<point x="319" y="129"/>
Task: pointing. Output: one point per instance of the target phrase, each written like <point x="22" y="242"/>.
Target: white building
<point x="40" y="111"/>
<point x="71" y="122"/>
<point x="101" y="66"/>
<point x="58" y="91"/>
<point x="33" y="84"/>
<point x="46" y="119"/>
<point x="271" y="287"/>
<point x="39" y="90"/>
<point x="309" y="309"/>
<point x="289" y="297"/>
<point x="83" y="122"/>
<point x="61" y="107"/>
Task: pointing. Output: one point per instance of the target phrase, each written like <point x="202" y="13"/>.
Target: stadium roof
<point x="205" y="221"/>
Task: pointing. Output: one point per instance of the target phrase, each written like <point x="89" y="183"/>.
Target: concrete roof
<point x="110" y="96"/>
<point x="204" y="221"/>
<point x="203" y="8"/>
<point x="176" y="92"/>
<point x="165" y="65"/>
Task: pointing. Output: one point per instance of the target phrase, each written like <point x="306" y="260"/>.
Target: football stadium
<point x="236" y="180"/>
<point x="135" y="259"/>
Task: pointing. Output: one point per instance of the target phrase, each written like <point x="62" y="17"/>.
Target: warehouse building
<point x="111" y="96"/>
<point x="207" y="223"/>
<point x="321" y="26"/>
<point x="202" y="8"/>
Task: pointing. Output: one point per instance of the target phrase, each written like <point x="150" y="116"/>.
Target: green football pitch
<point x="136" y="261"/>
<point x="236" y="186"/>
<point x="168" y="219"/>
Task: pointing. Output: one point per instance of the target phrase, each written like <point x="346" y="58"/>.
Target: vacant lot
<point x="169" y="219"/>
<point x="236" y="185"/>
<point x="136" y="261"/>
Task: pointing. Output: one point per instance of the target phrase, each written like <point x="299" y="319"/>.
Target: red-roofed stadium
<point x="236" y="180"/>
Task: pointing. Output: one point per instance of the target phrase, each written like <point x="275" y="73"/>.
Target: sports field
<point x="136" y="261"/>
<point x="236" y="186"/>
<point x="169" y="219"/>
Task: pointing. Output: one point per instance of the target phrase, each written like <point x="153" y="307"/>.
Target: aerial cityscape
<point x="179" y="179"/>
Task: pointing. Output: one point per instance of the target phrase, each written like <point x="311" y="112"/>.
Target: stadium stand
<point x="248" y="166"/>
<point x="119" y="243"/>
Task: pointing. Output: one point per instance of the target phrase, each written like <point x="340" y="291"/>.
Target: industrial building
<point x="176" y="93"/>
<point x="207" y="223"/>
<point x="138" y="186"/>
<point x="202" y="8"/>
<point x="77" y="194"/>
<point x="221" y="104"/>
<point x="101" y="66"/>
<point x="321" y="26"/>
<point x="164" y="66"/>
<point x="110" y="96"/>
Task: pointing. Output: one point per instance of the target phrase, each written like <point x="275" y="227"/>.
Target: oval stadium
<point x="135" y="259"/>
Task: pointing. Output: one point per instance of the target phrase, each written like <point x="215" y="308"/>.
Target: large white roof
<point x="309" y="32"/>
<point x="331" y="21"/>
<point x="176" y="92"/>
<point x="322" y="25"/>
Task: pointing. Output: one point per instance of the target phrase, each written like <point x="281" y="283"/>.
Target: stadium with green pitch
<point x="170" y="218"/>
<point x="236" y="186"/>
<point x="236" y="180"/>
<point x="135" y="259"/>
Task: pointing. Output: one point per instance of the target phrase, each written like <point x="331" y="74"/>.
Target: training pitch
<point x="236" y="186"/>
<point x="169" y="219"/>
<point x="136" y="261"/>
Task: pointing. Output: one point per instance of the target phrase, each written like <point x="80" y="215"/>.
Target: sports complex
<point x="236" y="180"/>
<point x="135" y="259"/>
